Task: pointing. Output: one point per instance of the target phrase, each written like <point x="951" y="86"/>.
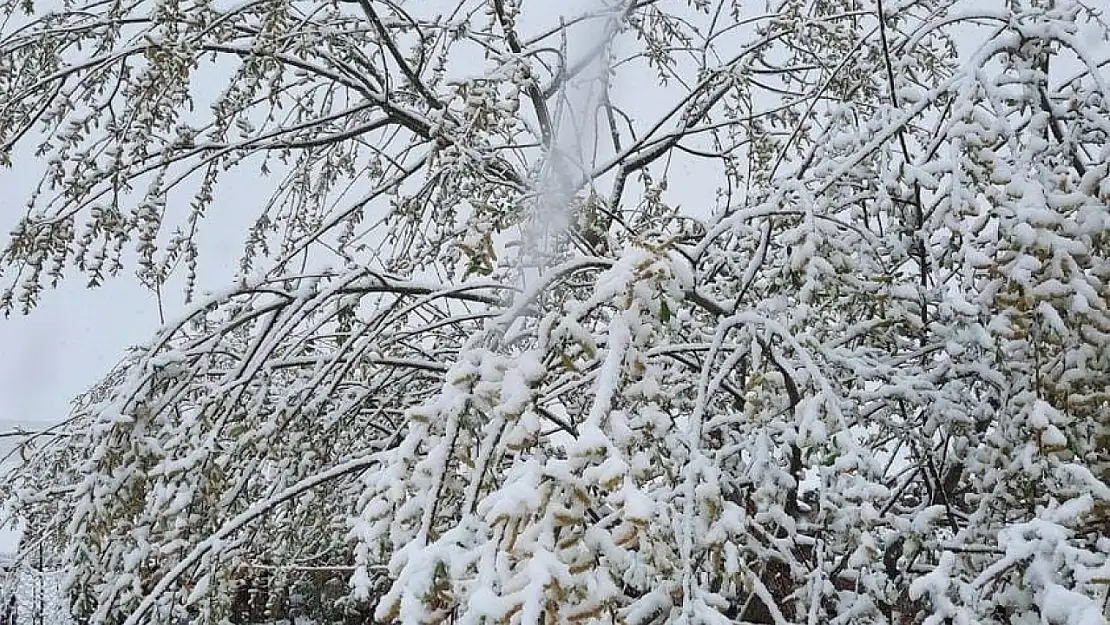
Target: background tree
<point x="656" y="312"/>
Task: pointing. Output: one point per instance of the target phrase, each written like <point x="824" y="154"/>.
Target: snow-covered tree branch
<point x="656" y="311"/>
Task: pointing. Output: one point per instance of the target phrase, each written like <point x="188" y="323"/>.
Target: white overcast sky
<point x="76" y="335"/>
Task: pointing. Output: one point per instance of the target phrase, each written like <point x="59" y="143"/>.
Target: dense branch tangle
<point x="137" y="134"/>
<point x="817" y="332"/>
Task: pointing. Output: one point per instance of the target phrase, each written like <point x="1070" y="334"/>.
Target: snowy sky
<point x="75" y="335"/>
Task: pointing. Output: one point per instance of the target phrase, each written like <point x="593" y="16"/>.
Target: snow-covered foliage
<point x="687" y="312"/>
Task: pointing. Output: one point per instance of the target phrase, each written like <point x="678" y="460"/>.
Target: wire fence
<point x="33" y="597"/>
<point x="30" y="594"/>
